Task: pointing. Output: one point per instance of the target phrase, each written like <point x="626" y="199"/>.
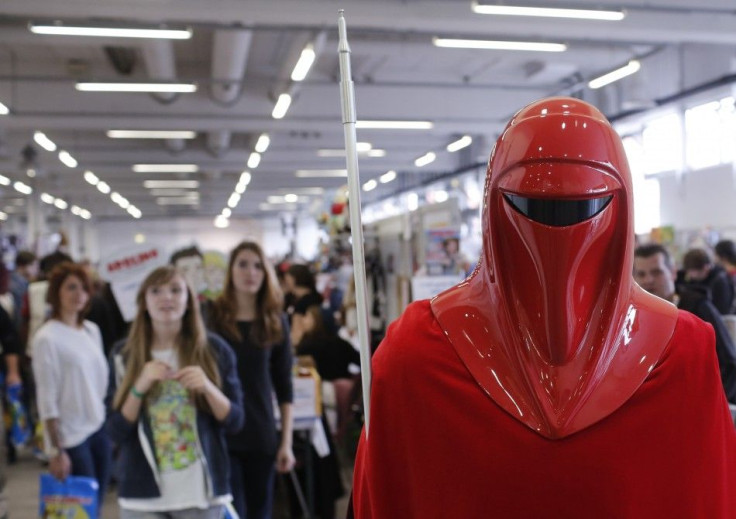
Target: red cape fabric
<point x="439" y="447"/>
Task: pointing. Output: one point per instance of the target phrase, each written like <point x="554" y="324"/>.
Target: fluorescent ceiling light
<point x="4" y="110"/>
<point x="4" y="181"/>
<point x="23" y="188"/>
<point x="277" y="207"/>
<point x="151" y="134"/>
<point x="337" y="152"/>
<point x="176" y="200"/>
<point x="240" y="188"/>
<point x="91" y="178"/>
<point x="170" y="192"/>
<point x="165" y="168"/>
<point x="165" y="184"/>
<point x="394" y="125"/>
<point x="387" y="177"/>
<point x="304" y="63"/>
<point x="227" y="212"/>
<point x="174" y="88"/>
<point x="85" y="214"/>
<point x="316" y="173"/>
<point x="254" y="160"/>
<point x="3" y="216"/>
<point x="116" y="197"/>
<point x="162" y="33"/>
<point x="103" y="187"/>
<point x="233" y="200"/>
<point x="370" y="185"/>
<point x="245" y="178"/>
<point x="289" y="198"/>
<point x="425" y="159"/>
<point x="630" y="68"/>
<point x="499" y="45"/>
<point x="66" y="158"/>
<point x="44" y="141"/>
<point x="303" y="190"/>
<point x="76" y="210"/>
<point x="281" y="107"/>
<point x="549" y="12"/>
<point x="47" y="198"/>
<point x="134" y="211"/>
<point x="263" y="142"/>
<point x="221" y="222"/>
<point x="462" y="142"/>
<point x="61" y="204"/>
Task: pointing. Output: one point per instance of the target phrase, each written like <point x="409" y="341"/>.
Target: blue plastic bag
<point x="74" y="498"/>
<point x="20" y="429"/>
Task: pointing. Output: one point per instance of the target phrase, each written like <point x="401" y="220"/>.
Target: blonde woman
<point x="70" y="370"/>
<point x="248" y="314"/>
<point x="173" y="395"/>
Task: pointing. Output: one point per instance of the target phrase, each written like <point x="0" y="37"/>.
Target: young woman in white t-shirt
<point x="174" y="393"/>
<point x="71" y="375"/>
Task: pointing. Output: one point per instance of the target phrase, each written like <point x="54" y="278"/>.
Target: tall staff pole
<point x="347" y="96"/>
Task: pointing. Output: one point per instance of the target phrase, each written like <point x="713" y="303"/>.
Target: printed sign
<point x="126" y="269"/>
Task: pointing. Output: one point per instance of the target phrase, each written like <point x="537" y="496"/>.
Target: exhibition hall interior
<point x="136" y="134"/>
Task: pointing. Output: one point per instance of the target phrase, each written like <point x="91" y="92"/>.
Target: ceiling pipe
<point x="158" y="58"/>
<point x="218" y="142"/>
<point x="229" y="58"/>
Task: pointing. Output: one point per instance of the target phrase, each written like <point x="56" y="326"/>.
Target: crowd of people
<point x="176" y="408"/>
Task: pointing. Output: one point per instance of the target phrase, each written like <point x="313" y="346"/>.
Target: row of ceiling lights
<point x="300" y="71"/>
<point x="427" y="158"/>
<point x="66" y="158"/>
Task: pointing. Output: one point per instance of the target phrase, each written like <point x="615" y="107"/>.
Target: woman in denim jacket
<point x="173" y="394"/>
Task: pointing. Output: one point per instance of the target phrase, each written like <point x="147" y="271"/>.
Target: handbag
<point x="73" y="498"/>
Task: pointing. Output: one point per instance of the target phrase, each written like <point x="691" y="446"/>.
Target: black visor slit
<point x="556" y="212"/>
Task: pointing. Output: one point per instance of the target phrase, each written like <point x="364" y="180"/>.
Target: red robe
<point x="439" y="447"/>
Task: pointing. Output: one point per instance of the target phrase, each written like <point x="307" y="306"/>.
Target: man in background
<point x="655" y="273"/>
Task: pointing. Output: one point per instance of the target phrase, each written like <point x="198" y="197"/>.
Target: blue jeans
<point x="213" y="512"/>
<point x="93" y="458"/>
<point x="251" y="483"/>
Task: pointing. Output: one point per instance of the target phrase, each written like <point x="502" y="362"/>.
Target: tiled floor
<point x="22" y="490"/>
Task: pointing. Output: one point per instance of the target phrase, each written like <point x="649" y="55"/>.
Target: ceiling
<point x="241" y="55"/>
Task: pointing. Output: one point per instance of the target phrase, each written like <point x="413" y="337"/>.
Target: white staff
<point x="347" y="96"/>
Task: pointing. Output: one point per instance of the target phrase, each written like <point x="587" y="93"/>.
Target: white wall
<point x="105" y="237"/>
<point x="172" y="234"/>
<point x="698" y="199"/>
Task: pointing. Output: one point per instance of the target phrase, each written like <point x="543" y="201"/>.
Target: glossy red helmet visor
<point x="558" y="194"/>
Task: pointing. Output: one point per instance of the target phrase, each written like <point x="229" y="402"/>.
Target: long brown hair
<point x="58" y="275"/>
<point x="193" y="348"/>
<point x="267" y="328"/>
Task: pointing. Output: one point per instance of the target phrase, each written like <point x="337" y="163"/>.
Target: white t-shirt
<point x="173" y="418"/>
<point x="71" y="372"/>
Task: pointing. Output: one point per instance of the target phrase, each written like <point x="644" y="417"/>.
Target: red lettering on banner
<point x="132" y="261"/>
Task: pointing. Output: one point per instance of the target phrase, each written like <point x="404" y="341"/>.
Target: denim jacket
<point x="137" y="469"/>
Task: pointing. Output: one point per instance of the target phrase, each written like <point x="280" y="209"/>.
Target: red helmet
<point x="551" y="324"/>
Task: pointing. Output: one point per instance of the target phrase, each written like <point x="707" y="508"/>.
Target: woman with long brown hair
<point x="70" y="370"/>
<point x="173" y="395"/>
<point x="249" y="315"/>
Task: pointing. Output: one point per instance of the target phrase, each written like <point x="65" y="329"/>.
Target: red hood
<point x="551" y="324"/>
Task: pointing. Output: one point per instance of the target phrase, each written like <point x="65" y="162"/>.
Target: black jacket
<point x="695" y="299"/>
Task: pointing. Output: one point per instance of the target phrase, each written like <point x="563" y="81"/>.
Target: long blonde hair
<point x="193" y="347"/>
<point x="267" y="328"/>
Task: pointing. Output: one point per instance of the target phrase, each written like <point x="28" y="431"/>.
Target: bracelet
<point x="135" y="392"/>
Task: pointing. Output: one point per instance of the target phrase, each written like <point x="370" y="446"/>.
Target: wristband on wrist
<point x="135" y="392"/>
